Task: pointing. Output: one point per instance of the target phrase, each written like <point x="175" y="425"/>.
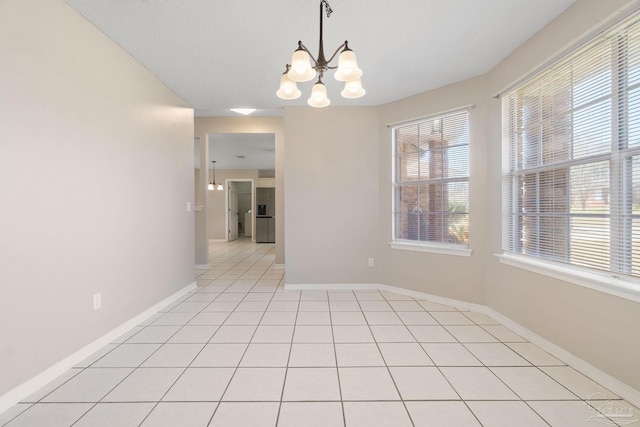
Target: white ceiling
<point x="220" y="54"/>
<point x="239" y="151"/>
<point x="243" y="150"/>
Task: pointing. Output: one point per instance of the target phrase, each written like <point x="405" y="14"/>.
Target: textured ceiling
<point x="219" y="54"/>
<point x="239" y="151"/>
<point x="243" y="150"/>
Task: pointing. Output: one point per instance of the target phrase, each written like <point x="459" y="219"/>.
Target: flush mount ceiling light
<point x="212" y="185"/>
<point x="301" y="70"/>
<point x="244" y="111"/>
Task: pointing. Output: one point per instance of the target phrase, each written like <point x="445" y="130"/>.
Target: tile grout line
<point x="286" y="372"/>
<point x="335" y="355"/>
<point x="434" y="362"/>
<point x="193" y="358"/>
<point x="386" y="365"/>
<point x="240" y="359"/>
<point x="184" y="369"/>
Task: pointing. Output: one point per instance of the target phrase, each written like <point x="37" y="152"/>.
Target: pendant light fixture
<point x="212" y="185"/>
<point x="301" y="70"/>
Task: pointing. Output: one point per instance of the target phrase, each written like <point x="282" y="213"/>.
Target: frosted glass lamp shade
<point x="353" y="89"/>
<point x="318" y="97"/>
<point x="301" y="70"/>
<point x="347" y="67"/>
<point x="210" y="186"/>
<point x="219" y="187"/>
<point x="288" y="88"/>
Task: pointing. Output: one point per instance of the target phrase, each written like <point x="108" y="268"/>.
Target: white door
<point x="233" y="210"/>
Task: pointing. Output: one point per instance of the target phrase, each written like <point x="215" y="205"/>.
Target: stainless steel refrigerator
<point x="265" y="215"/>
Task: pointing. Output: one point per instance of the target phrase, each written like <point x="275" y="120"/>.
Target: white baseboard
<point x="618" y="387"/>
<point x="30" y="386"/>
<point x="278" y="266"/>
<point x="331" y="287"/>
<point x="202" y="266"/>
<point x="623" y="390"/>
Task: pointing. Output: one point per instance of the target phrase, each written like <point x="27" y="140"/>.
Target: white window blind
<point x="572" y="173"/>
<point x="431" y="180"/>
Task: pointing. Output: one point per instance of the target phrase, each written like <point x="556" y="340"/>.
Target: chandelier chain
<point x="327" y="8"/>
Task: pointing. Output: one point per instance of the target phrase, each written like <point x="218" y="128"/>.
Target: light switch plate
<point x="97" y="301"/>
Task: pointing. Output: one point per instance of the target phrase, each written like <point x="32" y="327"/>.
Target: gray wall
<point x="331" y="185"/>
<point x="338" y="189"/>
<point x="599" y="328"/>
<point x="459" y="277"/>
<point x="96" y="169"/>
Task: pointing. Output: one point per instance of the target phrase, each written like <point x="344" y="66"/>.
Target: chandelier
<point x="301" y="70"/>
<point x="212" y="185"/>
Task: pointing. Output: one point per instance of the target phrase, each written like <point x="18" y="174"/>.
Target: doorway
<point x="239" y="207"/>
<point x="244" y="159"/>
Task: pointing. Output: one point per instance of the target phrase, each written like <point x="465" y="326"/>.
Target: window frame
<point x="617" y="279"/>
<point x="430" y="246"/>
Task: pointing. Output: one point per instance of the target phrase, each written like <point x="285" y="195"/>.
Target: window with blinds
<point x="431" y="180"/>
<point x="572" y="179"/>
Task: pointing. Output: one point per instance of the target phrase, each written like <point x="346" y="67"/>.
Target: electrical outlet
<point x="371" y="263"/>
<point x="188" y="206"/>
<point x="97" y="301"/>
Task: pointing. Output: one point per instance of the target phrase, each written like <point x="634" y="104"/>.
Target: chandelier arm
<point x="301" y="45"/>
<point x="343" y="45"/>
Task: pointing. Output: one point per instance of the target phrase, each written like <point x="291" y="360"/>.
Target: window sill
<point x="442" y="248"/>
<point x="601" y="282"/>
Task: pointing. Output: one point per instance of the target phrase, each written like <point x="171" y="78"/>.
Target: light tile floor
<point x="241" y="351"/>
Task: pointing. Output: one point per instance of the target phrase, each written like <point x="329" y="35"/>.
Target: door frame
<point x="253" y="208"/>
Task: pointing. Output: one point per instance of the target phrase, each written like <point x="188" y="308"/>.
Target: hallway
<point x="241" y="351"/>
